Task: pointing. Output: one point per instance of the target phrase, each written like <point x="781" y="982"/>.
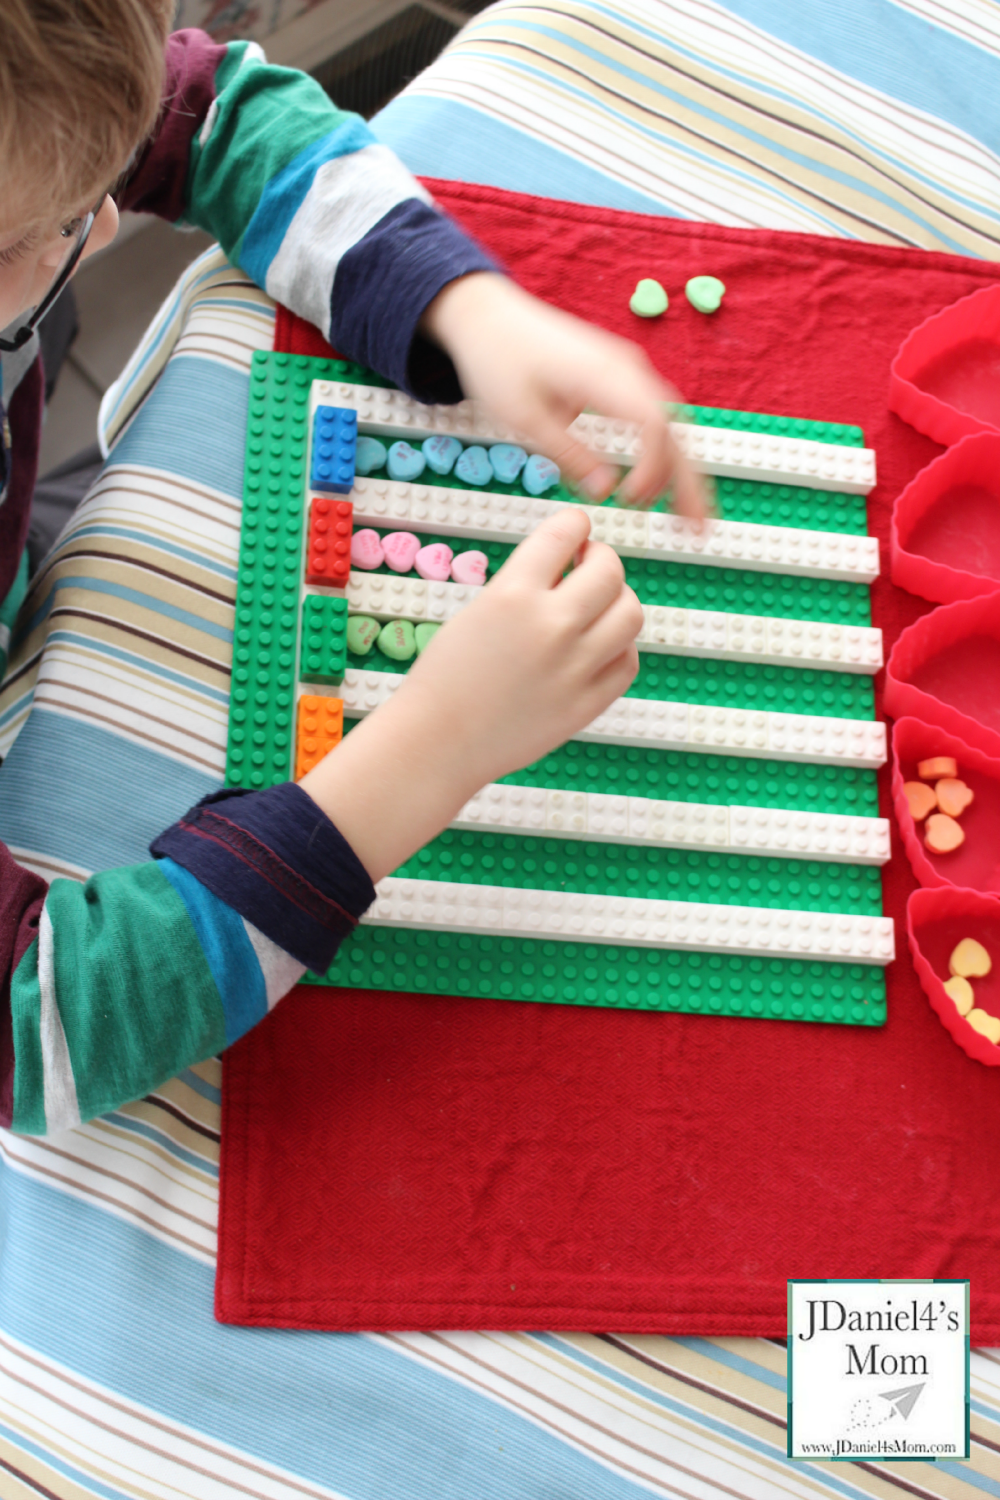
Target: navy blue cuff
<point x="275" y="858"/>
<point x="382" y="287"/>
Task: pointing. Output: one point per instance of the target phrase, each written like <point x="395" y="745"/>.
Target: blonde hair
<point x="80" y="89"/>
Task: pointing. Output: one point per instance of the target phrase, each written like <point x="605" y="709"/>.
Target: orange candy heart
<point x="939" y="765"/>
<point x="953" y="797"/>
<point x="942" y="834"/>
<point x="920" y="798"/>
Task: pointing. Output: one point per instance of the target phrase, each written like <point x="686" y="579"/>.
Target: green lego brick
<point x="446" y="963"/>
<point x="846" y="435"/>
<point x="324" y="638"/>
<point x="687" y="776"/>
<point x="719" y="877"/>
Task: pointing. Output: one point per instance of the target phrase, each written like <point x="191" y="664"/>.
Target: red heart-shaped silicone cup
<point x="945" y="538"/>
<point x="935" y="922"/>
<point x="945" y="670"/>
<point x="945" y="380"/>
<point x="975" y="865"/>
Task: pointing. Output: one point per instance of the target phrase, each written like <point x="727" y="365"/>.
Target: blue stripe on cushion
<point x="70" y="789"/>
<point x="173" y="433"/>
<point x="283" y="196"/>
<point x="440" y="138"/>
<point x="77" y="1288"/>
<point x="228" y="952"/>
<point x="888" y="48"/>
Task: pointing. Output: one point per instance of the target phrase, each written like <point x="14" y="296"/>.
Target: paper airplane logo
<point x="903" y="1400"/>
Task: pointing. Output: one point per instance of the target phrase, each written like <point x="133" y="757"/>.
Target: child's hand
<point x="531" y="661"/>
<point x="537" y="368"/>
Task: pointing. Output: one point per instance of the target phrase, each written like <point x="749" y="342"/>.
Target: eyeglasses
<point x="79" y="231"/>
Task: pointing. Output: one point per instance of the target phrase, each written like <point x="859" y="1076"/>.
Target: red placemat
<point x="407" y="1161"/>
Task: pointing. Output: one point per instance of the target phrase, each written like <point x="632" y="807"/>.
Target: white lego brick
<point x="770" y="831"/>
<point x="833" y="555"/>
<point x="391" y="596"/>
<point x="570" y="916"/>
<point x="728" y="452"/>
<point x="821" y="836"/>
<point x="481" y="515"/>
<point x="760" y="638"/>
<point x="649" y="722"/>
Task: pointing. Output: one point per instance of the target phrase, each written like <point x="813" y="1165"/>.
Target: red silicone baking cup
<point x="949" y="515"/>
<point x="975" y="865"/>
<point x="935" y="922"/>
<point x="945" y="670"/>
<point x="943" y="380"/>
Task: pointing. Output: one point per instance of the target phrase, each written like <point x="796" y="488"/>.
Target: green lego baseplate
<point x="260" y="753"/>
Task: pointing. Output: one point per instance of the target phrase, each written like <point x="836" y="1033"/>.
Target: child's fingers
<point x="576" y="462"/>
<point x="592" y="587"/>
<point x="543" y="557"/>
<point x="614" y="630"/>
<point x="612" y="681"/>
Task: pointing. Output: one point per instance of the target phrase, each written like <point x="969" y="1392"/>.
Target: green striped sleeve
<point x="113" y="997"/>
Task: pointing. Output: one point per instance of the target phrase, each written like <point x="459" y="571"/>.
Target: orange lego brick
<point x="328" y="557"/>
<point x="320" y="727"/>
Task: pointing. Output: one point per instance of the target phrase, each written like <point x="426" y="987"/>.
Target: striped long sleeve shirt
<point x="112" y="986"/>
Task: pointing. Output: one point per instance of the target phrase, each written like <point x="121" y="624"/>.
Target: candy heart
<point x="474" y="467"/>
<point x="705" y="293"/>
<point x="936" y="921"/>
<point x="397" y="639"/>
<point x="405" y="462"/>
<point x="539" y="474"/>
<point x="649" y="300"/>
<point x="369" y="455"/>
<point x="425" y="633"/>
<point x="441" y="453"/>
<point x="469" y="567"/>
<point x="974" y="864"/>
<point x="434" y="562"/>
<point x="362" y="633"/>
<point x="400" y="548"/>
<point x="366" y="549"/>
<point x="507" y="460"/>
<point x="953" y="796"/>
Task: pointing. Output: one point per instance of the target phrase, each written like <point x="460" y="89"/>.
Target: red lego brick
<point x="329" y="556"/>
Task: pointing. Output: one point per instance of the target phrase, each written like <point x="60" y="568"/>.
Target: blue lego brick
<point x="334" y="443"/>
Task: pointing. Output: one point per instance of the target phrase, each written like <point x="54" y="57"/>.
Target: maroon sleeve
<point x="155" y="184"/>
<point x="22" y="896"/>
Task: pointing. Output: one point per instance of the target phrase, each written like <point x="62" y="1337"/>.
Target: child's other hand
<point x="537" y="368"/>
<point x="523" y="668"/>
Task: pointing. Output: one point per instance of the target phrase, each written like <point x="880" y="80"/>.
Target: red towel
<point x="399" y="1161"/>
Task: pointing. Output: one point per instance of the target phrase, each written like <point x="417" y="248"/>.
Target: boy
<point x="111" y="987"/>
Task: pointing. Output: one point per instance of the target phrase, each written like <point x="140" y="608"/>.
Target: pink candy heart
<point x="366" y="550"/>
<point x="434" y="562"/>
<point x="400" y="548"/>
<point x="469" y="567"/>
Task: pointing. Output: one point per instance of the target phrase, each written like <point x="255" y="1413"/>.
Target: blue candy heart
<point x="540" y="474"/>
<point x="369" y="455"/>
<point x="441" y="453"/>
<point x="405" y="462"/>
<point x="508" y="460"/>
<point x="474" y="467"/>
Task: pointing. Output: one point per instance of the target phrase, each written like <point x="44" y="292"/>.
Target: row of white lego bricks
<point x="667" y="629"/>
<point x="649" y="722"/>
<point x="482" y="516"/>
<point x="769" y="831"/>
<point x="726" y="451"/>
<point x="630" y="921"/>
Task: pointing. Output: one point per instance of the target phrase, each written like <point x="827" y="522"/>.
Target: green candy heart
<point x="649" y="300"/>
<point x="425" y="633"/>
<point x="362" y="632"/>
<point x="398" y="640"/>
<point x="705" y="293"/>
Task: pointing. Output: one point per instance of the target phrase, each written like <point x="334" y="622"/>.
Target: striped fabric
<point x="114" y="1379"/>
